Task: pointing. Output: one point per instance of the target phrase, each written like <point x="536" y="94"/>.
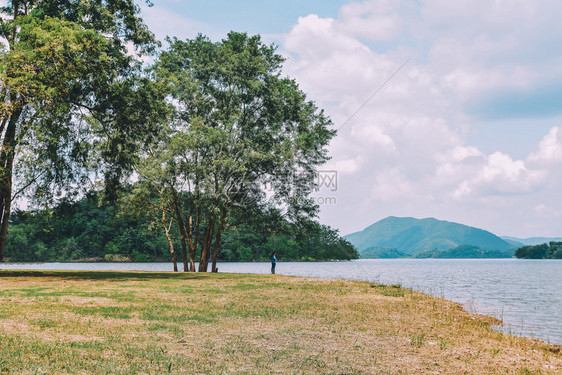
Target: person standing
<point x="273" y="262"/>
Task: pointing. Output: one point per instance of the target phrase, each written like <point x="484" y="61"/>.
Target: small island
<point x="551" y="250"/>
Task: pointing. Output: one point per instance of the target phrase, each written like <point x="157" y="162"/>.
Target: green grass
<point x="66" y="322"/>
<point x="394" y="290"/>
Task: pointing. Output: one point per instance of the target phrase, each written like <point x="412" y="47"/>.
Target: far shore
<point x="164" y="322"/>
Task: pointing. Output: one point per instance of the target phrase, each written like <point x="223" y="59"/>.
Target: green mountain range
<point x="406" y="236"/>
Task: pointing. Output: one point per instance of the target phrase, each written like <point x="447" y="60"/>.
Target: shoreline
<point x="519" y="320"/>
<point x="231" y="323"/>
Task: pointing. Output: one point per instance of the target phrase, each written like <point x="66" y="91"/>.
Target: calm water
<point x="525" y="294"/>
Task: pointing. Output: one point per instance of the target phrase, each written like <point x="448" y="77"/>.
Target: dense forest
<point x="551" y="250"/>
<point x="84" y="230"/>
<point x="464" y="252"/>
<point x="458" y="252"/>
<point x="222" y="148"/>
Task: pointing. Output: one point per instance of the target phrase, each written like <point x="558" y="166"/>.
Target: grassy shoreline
<point x="156" y="322"/>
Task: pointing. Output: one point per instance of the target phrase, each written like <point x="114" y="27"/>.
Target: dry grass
<point x="154" y="323"/>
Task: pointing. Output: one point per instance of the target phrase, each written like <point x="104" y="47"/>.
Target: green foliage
<point x="69" y="89"/>
<point x="255" y="242"/>
<point x="552" y="250"/>
<point x="377" y="252"/>
<point x="65" y="68"/>
<point x="237" y="128"/>
<point x="84" y="230"/>
<point x="209" y="127"/>
<point x="239" y="125"/>
<point x="463" y="252"/>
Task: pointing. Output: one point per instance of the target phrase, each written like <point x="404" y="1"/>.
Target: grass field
<point x="156" y="323"/>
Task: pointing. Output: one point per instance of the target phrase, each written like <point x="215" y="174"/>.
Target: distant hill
<point x="532" y="241"/>
<point x="515" y="242"/>
<point x="412" y="236"/>
<point x="376" y="252"/>
<point x="465" y="252"/>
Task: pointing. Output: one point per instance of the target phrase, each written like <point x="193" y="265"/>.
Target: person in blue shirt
<point x="273" y="262"/>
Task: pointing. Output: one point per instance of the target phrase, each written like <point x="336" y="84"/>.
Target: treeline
<point x="84" y="230"/>
<point x="552" y="250"/>
<point x="464" y="252"/>
<point x="459" y="252"/>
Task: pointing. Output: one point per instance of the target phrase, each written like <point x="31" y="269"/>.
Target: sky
<point x="445" y="109"/>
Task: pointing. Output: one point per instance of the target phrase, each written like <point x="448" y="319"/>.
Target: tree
<point x="239" y="128"/>
<point x="152" y="192"/>
<point x="67" y="82"/>
<point x="551" y="250"/>
<point x="131" y="229"/>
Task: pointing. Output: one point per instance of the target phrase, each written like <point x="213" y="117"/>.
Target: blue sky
<point x="267" y="16"/>
<point x="470" y="130"/>
<point x="217" y="17"/>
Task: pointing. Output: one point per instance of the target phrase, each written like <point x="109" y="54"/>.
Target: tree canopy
<point x="65" y="74"/>
<point x="551" y="250"/>
<point x="84" y="230"/>
<point x="212" y="133"/>
<point x="239" y="131"/>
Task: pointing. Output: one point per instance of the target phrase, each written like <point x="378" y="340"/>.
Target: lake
<point x="525" y="294"/>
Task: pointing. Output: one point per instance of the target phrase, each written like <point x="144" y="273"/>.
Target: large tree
<point x="241" y="134"/>
<point x="69" y="80"/>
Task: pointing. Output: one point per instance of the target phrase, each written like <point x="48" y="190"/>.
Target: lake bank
<point x="131" y="322"/>
<point x="524" y="294"/>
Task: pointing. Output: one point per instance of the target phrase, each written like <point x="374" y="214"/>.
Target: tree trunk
<point x="206" y="246"/>
<point x="190" y="241"/>
<point x="202" y="261"/>
<point x="183" y="235"/>
<point x="218" y="241"/>
<point x="6" y="205"/>
<point x="6" y="167"/>
<point x="197" y="225"/>
<point x="8" y="151"/>
<point x="181" y="226"/>
<point x="167" y="230"/>
<point x="6" y="208"/>
<point x="169" y="238"/>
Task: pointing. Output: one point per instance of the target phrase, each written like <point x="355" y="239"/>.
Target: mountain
<point x="413" y="236"/>
<point x="532" y="241"/>
<point x="515" y="242"/>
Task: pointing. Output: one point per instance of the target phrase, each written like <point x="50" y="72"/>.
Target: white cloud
<point x="380" y="20"/>
<point x="406" y="151"/>
<point x="414" y="148"/>
<point x="392" y="184"/>
<point x="346" y="166"/>
<point x="502" y="166"/>
<point x="374" y="136"/>
<point x="461" y="153"/>
<point x="331" y="63"/>
<point x="550" y="148"/>
<point x="499" y="175"/>
<point x="544" y="211"/>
